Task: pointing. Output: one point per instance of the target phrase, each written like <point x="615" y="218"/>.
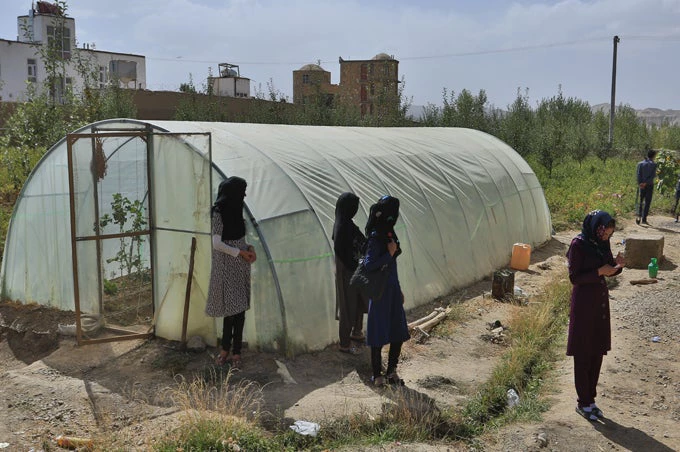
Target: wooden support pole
<point x="187" y="296"/>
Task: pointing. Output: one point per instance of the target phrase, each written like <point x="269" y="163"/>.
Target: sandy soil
<point x="51" y="386"/>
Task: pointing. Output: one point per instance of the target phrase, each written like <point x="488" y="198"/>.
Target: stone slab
<point x="641" y="248"/>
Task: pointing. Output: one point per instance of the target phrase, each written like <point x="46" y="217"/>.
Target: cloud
<point x="272" y="38"/>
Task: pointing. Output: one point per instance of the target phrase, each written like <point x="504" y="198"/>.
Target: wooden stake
<point x="187" y="296"/>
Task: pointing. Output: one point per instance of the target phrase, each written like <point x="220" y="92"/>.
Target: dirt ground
<point x="122" y="390"/>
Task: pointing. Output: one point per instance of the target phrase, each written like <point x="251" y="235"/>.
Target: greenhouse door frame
<point x="119" y="334"/>
<point x="147" y="136"/>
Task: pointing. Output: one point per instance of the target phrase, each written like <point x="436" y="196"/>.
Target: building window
<point x="102" y="76"/>
<point x="57" y="34"/>
<point x="364" y="94"/>
<point x="370" y="69"/>
<point x="372" y="89"/>
<point x="32" y="70"/>
<point x="364" y="71"/>
<point x="363" y="110"/>
<point x="386" y="70"/>
<point x="371" y="110"/>
<point x="305" y="79"/>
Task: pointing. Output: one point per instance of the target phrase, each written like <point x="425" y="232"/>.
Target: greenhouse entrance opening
<point x="120" y="208"/>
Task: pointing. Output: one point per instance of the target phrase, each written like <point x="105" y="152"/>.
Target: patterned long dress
<point x="229" y="290"/>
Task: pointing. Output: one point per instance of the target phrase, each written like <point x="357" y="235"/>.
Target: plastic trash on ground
<point x="305" y="428"/>
<point x="656" y="339"/>
<point x="513" y="398"/>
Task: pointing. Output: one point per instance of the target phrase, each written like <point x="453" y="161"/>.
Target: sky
<point x="495" y="45"/>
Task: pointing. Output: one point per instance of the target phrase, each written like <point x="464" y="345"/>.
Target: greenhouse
<point x="114" y="222"/>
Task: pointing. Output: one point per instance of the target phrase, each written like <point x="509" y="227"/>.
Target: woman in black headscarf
<point x="386" y="317"/>
<point x="348" y="243"/>
<point x="229" y="291"/>
<point x="590" y="260"/>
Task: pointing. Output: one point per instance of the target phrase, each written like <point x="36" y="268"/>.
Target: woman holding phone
<point x="590" y="261"/>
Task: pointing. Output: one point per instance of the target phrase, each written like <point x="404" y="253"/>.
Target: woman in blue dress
<point x="386" y="322"/>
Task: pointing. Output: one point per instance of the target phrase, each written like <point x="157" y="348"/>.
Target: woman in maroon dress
<point x="590" y="260"/>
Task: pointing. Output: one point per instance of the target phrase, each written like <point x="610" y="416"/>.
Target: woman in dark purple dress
<point x="386" y="323"/>
<point x="590" y="260"/>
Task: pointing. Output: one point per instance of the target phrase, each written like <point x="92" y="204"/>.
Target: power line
<point x="416" y="57"/>
<point x="653" y="38"/>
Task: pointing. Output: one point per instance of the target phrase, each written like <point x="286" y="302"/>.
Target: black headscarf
<point x="346" y="207"/>
<point x="229" y="204"/>
<point x="383" y="216"/>
<point x="348" y="241"/>
<point x="381" y="220"/>
<point x="592" y="233"/>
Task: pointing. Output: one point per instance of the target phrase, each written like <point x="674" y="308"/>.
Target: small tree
<point x="517" y="125"/>
<point x="668" y="165"/>
<point x="130" y="217"/>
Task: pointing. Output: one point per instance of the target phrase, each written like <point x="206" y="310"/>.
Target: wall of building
<point x="163" y="105"/>
<point x="14" y="72"/>
<point x="230" y="86"/>
<point x="369" y="85"/>
<point x="310" y="83"/>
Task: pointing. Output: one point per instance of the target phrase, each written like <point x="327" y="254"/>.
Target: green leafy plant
<point x="130" y="218"/>
<point x="110" y="287"/>
<point x="667" y="166"/>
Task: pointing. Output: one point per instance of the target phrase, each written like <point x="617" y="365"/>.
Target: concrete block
<point x="641" y="248"/>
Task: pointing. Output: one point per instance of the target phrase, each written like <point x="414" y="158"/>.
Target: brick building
<point x="369" y="86"/>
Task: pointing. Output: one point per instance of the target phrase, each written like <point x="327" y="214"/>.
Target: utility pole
<point x="612" y="107"/>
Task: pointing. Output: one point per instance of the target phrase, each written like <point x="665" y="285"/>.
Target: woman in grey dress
<point x="229" y="290"/>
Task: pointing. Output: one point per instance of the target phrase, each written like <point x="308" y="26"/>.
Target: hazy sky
<point x="494" y="45"/>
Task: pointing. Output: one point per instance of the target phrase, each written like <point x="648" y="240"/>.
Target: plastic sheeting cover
<point x="466" y="198"/>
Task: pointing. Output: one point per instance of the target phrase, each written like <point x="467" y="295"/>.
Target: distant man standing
<point x="646" y="172"/>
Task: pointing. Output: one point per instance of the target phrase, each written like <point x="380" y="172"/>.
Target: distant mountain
<point x="654" y="116"/>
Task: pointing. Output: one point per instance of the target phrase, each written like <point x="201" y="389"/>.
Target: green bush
<point x="110" y="287"/>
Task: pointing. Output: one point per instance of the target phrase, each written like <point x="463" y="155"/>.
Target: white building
<point x="21" y="62"/>
<point x="230" y="83"/>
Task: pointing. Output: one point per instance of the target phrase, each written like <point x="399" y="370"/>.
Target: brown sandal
<point x="222" y="359"/>
<point x="235" y="361"/>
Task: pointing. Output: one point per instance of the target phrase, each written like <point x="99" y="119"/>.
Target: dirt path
<point x="119" y="390"/>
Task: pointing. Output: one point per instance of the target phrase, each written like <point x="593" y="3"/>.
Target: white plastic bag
<point x="305" y="428"/>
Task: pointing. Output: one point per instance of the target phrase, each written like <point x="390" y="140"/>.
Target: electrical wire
<point x="180" y="59"/>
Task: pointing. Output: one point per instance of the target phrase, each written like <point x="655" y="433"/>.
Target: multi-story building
<point x="45" y="55"/>
<point x="312" y="83"/>
<point x="369" y="86"/>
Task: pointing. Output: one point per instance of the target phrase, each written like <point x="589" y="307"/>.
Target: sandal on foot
<point x="359" y="337"/>
<point x="587" y="413"/>
<point x="378" y="381"/>
<point x="596" y="411"/>
<point x="394" y="379"/>
<point x="349" y="350"/>
<point x="221" y="359"/>
<point x="235" y="361"/>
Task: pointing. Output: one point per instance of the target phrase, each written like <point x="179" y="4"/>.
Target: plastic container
<point x="521" y="255"/>
<point x="653" y="268"/>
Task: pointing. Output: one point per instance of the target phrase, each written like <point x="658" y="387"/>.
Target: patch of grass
<point x="535" y="332"/>
<point x="218" y="415"/>
<point x="213" y="431"/>
<point x="574" y="190"/>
